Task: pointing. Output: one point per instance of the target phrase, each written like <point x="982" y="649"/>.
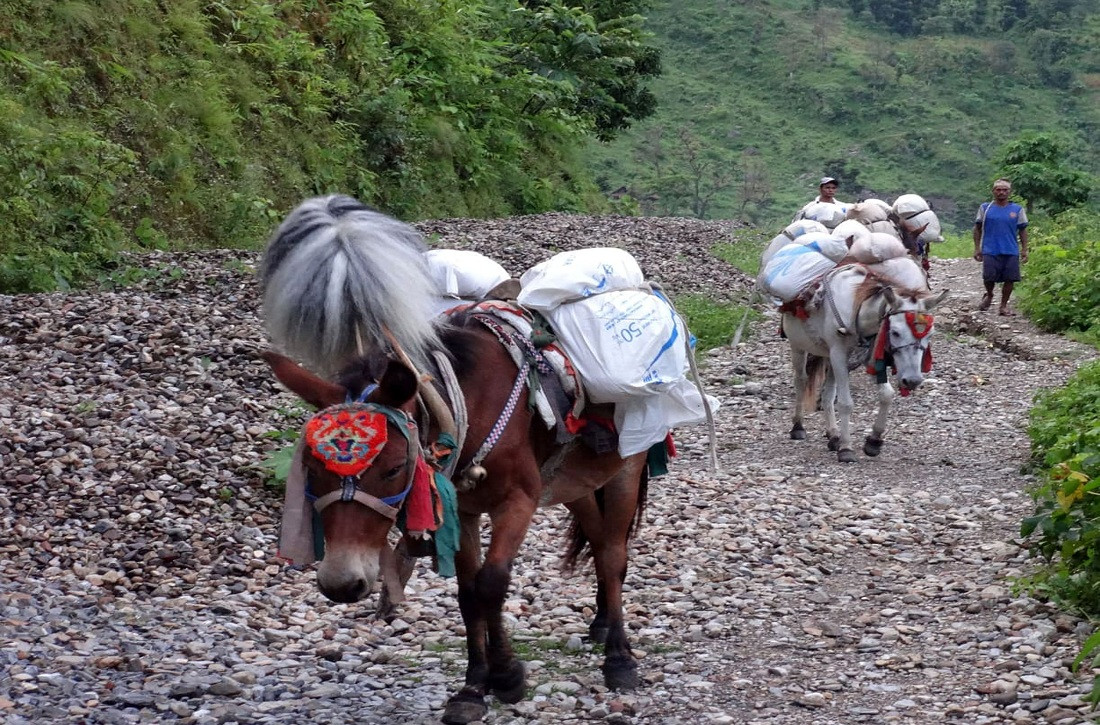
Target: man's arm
<point x="1023" y="243"/>
<point x="978" y="241"/>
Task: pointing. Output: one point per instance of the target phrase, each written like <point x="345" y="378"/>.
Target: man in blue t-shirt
<point x="1000" y="243"/>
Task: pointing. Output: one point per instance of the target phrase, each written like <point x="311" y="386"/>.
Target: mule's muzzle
<point x="348" y="593"/>
<point x="911" y="383"/>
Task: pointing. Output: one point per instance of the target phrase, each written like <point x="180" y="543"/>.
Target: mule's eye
<point x="393" y="472"/>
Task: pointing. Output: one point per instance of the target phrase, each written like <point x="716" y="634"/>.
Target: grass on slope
<point x="794" y="94"/>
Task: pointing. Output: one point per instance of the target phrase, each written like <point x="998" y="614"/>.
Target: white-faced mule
<point x="347" y="293"/>
<point x="857" y="319"/>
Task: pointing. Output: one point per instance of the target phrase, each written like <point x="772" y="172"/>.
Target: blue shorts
<point x="1000" y="268"/>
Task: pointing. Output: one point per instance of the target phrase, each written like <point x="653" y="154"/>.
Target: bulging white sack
<point x="929" y="221"/>
<point x="850" y="228"/>
<point x="833" y="247"/>
<point x="902" y="272"/>
<point x="908" y="204"/>
<point x="877" y="248"/>
<point x="791" y="269"/>
<point x="641" y="422"/>
<point x="886" y="227"/>
<point x="790" y="234"/>
<point x="463" y="273"/>
<point x="869" y="211"/>
<point x="624" y="343"/>
<point x="578" y="274"/>
<point x="828" y="214"/>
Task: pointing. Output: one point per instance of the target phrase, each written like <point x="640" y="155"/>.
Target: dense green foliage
<point x="200" y="123"/>
<point x="760" y="99"/>
<point x="1065" y="434"/>
<point x="1062" y="293"/>
<point x="1036" y="165"/>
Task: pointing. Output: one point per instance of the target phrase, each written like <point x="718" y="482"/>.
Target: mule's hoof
<point x="846" y="456"/>
<point x="598" y="633"/>
<point x="834" y="443"/>
<point x="464" y="708"/>
<point x="510" y="685"/>
<point x="621" y="675"/>
<point x="798" y="433"/>
<point x="872" y="446"/>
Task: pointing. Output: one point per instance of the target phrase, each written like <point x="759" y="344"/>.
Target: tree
<point x="594" y="56"/>
<point x="1035" y="163"/>
<point x="754" y="186"/>
<point x="699" y="175"/>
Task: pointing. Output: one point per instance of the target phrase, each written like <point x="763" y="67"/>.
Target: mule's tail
<point x="815" y="379"/>
<point x="578" y="545"/>
<point x="337" y="276"/>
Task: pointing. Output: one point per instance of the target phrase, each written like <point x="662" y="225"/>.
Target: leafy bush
<point x="1063" y="267"/>
<point x="1065" y="435"/>
<point x="199" y="124"/>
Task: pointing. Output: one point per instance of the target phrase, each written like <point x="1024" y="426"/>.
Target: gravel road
<point x="139" y="581"/>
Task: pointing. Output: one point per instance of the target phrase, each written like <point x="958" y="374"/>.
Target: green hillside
<point x="759" y="99"/>
<point x="141" y="123"/>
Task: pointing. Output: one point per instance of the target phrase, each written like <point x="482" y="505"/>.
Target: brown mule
<point x="320" y="312"/>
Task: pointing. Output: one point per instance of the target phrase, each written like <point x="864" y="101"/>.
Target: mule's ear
<point x="398" y="385"/>
<point x="934" y="300"/>
<point x="919" y="230"/>
<point x="316" y="391"/>
<point x="890" y="297"/>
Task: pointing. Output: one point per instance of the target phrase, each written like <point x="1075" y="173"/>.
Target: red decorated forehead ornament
<point x="346" y="438"/>
<point x="920" y="323"/>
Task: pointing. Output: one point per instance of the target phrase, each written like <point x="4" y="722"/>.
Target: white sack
<point x="902" y="272"/>
<point x="464" y="274"/>
<point x="932" y="232"/>
<point x="791" y="269"/>
<point x="828" y="214"/>
<point x="909" y="204"/>
<point x="623" y="343"/>
<point x="578" y="274"/>
<point x="790" y="234"/>
<point x="884" y="228"/>
<point x="641" y="422"/>
<point x="851" y="228"/>
<point x="833" y="247"/>
<point x="803" y="226"/>
<point x="877" y="248"/>
<point x="869" y="211"/>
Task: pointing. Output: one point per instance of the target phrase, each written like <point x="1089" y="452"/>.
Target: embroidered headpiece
<point x="920" y="323"/>
<point x="346" y="438"/>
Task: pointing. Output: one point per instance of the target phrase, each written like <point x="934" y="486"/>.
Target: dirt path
<point x="141" y="584"/>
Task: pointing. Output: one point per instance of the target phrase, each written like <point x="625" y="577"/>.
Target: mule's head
<point x="361" y="449"/>
<point x="908" y="326"/>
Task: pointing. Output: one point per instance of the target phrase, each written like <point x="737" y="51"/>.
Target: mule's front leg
<point x="507" y="677"/>
<point x="468" y="704"/>
<point x="873" y="445"/>
<point x="838" y="359"/>
<point x="493" y="666"/>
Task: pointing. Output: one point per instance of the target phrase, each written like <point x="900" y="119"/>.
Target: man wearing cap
<point x="827" y="190"/>
<point x="830" y="215"/>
